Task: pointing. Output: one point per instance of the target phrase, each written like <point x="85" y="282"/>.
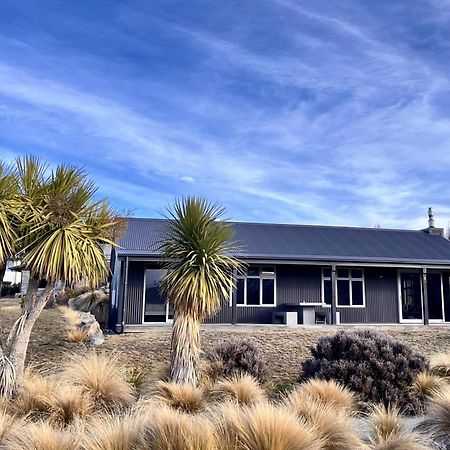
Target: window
<point x="350" y="287"/>
<point x="257" y="287"/>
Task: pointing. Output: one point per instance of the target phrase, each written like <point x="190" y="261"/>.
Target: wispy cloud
<point x="324" y="119"/>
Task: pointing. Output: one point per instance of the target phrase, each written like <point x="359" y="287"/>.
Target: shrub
<point x="183" y="397"/>
<point x="237" y="357"/>
<point x="100" y="377"/>
<point x="241" y="389"/>
<point x="378" y="368"/>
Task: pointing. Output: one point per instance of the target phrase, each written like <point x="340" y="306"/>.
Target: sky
<point x="315" y="112"/>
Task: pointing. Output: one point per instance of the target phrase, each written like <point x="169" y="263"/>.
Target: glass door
<point x="435" y="300"/>
<point x="155" y="307"/>
<point x="410" y="297"/>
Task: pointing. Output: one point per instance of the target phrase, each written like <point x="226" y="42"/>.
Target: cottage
<point x="301" y="274"/>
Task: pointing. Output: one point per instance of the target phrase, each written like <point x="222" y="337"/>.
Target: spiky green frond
<point x="8" y="211"/>
<point x="198" y="258"/>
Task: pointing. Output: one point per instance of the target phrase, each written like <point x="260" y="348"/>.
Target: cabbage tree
<point x="199" y="266"/>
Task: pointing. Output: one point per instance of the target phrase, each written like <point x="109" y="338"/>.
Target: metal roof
<point x="143" y="237"/>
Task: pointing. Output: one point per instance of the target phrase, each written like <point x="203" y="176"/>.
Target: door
<point x="446" y="293"/>
<point x="410" y="297"/>
<point x="155" y="307"/>
<point x="435" y="304"/>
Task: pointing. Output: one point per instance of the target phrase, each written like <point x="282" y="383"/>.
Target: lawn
<point x="283" y="348"/>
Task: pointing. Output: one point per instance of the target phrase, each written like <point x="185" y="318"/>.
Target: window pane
<point x="327" y="273"/>
<point x="357" y="292"/>
<point x="252" y="291"/>
<point x="327" y="292"/>
<point x="356" y="273"/>
<point x="268" y="292"/>
<point x="253" y="272"/>
<point x="342" y="273"/>
<point x="343" y="291"/>
<point x="240" y="292"/>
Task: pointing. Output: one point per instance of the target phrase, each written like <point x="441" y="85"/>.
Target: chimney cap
<point x="430" y="217"/>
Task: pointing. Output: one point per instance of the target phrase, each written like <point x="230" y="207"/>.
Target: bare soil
<point x="283" y="348"/>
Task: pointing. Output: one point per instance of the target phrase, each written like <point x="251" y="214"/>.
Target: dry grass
<point x="115" y="433"/>
<point x="427" y="385"/>
<point x="9" y="424"/>
<point x="71" y="317"/>
<point x="440" y="364"/>
<point x="69" y="405"/>
<point x="439" y="414"/>
<point x="329" y="393"/>
<point x="100" y="377"/>
<point x="169" y="429"/>
<point x="240" y="389"/>
<point x="403" y="442"/>
<point x="182" y="397"/>
<point x="334" y="426"/>
<point x="263" y="427"/>
<point x="76" y="336"/>
<point x="37" y="390"/>
<point x="41" y="436"/>
<point x="386" y="422"/>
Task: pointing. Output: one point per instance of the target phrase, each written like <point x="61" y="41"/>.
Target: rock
<point x="89" y="300"/>
<point x="91" y="327"/>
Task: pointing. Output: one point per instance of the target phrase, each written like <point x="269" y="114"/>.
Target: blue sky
<point x="327" y="112"/>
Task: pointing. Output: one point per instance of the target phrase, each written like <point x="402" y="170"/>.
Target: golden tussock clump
<point x="183" y="397"/>
<point x="76" y="336"/>
<point x="440" y="364"/>
<point x="427" y="385"/>
<point x="170" y="429"/>
<point x="41" y="436"/>
<point x="119" y="432"/>
<point x="263" y="426"/>
<point x="100" y="377"/>
<point x="329" y="393"/>
<point x="241" y="389"/>
<point x="438" y="424"/>
<point x="388" y="431"/>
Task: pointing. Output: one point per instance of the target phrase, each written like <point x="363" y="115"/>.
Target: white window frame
<point x="261" y="277"/>
<point x="349" y="278"/>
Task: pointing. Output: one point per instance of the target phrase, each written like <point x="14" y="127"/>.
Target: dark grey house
<point x="312" y="274"/>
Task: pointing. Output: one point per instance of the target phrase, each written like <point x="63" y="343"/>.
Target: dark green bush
<point x="377" y="367"/>
<point x="237" y="356"/>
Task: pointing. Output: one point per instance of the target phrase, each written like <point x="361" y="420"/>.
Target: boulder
<point x="91" y="327"/>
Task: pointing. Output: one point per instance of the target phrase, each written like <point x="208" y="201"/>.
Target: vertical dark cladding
<point x="134" y="307"/>
<point x="295" y="285"/>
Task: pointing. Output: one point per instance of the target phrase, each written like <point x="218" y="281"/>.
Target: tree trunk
<point x="12" y="361"/>
<point x="2" y="275"/>
<point x="185" y="349"/>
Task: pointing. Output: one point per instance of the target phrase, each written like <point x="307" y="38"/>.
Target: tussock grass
<point x="403" y="442"/>
<point x="438" y="425"/>
<point x="37" y="391"/>
<point x="71" y="317"/>
<point x="41" y="436"/>
<point x="241" y="389"/>
<point x="263" y="427"/>
<point x="119" y="432"/>
<point x="386" y="422"/>
<point x="9" y="424"/>
<point x="440" y="364"/>
<point x="69" y="405"/>
<point x="76" y="336"/>
<point x="427" y="385"/>
<point x="169" y="429"/>
<point x="183" y="397"/>
<point x="100" y="377"/>
<point x="335" y="427"/>
<point x="329" y="393"/>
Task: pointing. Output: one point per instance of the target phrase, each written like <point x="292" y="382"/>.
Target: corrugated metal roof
<point x="143" y="237"/>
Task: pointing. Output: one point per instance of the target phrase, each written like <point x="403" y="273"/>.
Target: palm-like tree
<point x="60" y="231"/>
<point x="8" y="210"/>
<point x="199" y="275"/>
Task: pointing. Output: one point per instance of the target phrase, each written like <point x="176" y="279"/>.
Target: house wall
<point x="295" y="285"/>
